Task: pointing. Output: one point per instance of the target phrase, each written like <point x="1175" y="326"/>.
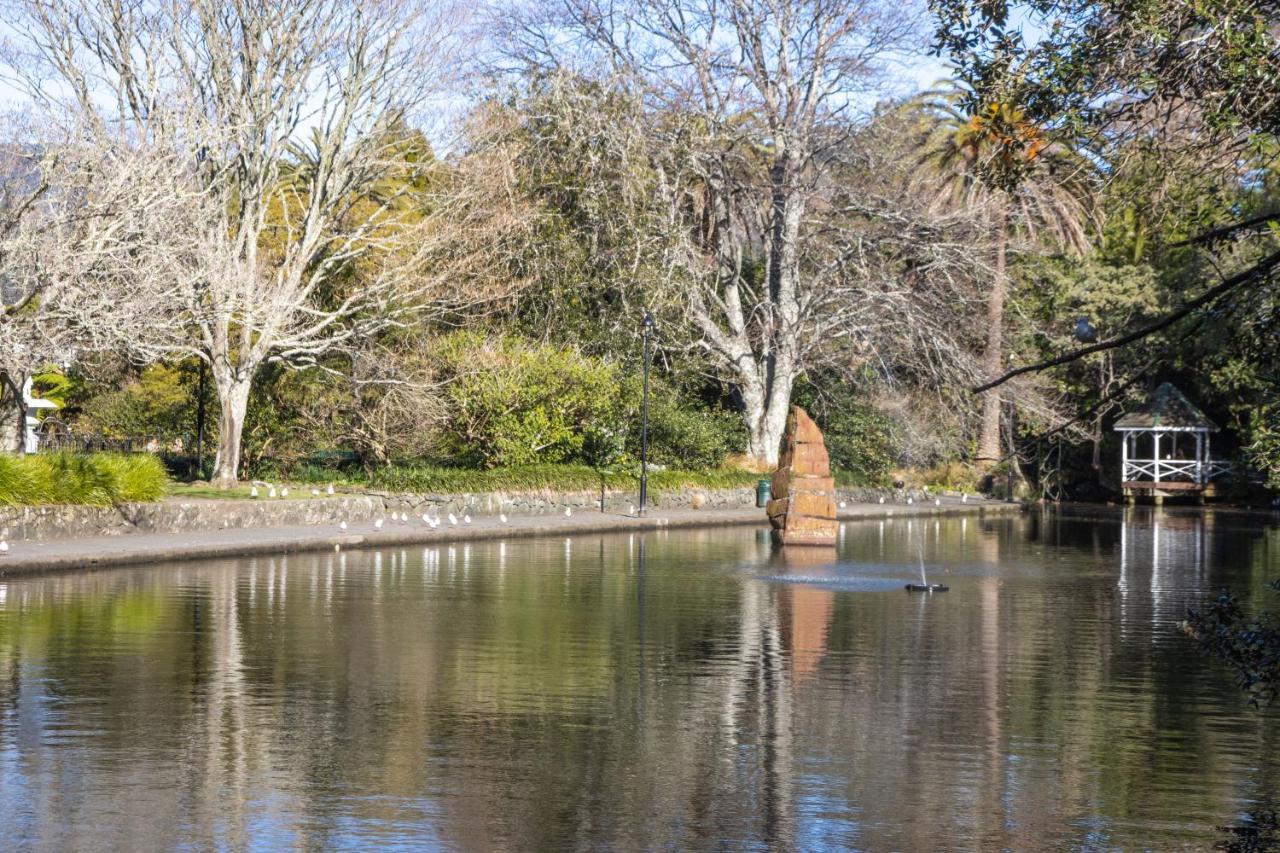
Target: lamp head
<point x="648" y="324"/>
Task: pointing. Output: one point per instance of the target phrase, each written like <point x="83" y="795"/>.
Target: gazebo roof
<point x="1167" y="408"/>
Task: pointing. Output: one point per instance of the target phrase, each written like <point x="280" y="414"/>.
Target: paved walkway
<point x="133" y="548"/>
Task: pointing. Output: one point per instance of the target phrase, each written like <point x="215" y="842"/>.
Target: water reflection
<point x="688" y="689"/>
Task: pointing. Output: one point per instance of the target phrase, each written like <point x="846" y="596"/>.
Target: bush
<point x="689" y="438"/>
<point x="515" y="403"/>
<point x="861" y="442"/>
<point x="100" y="479"/>
<point x="159" y="403"/>
<point x="1263" y="451"/>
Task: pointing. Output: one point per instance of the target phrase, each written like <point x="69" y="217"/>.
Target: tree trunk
<point x="767" y="421"/>
<point x="13" y="424"/>
<point x="233" y="399"/>
<point x="993" y="355"/>
<point x="771" y="400"/>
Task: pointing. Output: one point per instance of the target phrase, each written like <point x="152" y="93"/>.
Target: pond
<point x="683" y="689"/>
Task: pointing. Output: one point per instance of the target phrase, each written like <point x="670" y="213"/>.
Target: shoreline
<point x="77" y="554"/>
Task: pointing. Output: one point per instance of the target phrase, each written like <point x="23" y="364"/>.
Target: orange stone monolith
<point x="803" y="508"/>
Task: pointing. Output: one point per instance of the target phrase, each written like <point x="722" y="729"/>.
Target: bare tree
<point x="72" y="221"/>
<point x="293" y="118"/>
<point x="748" y="101"/>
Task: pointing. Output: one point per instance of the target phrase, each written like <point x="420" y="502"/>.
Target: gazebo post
<point x="1124" y="456"/>
<point x="1199" y="456"/>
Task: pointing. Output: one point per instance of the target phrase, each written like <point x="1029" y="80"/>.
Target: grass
<point x="200" y="490"/>
<point x="95" y="479"/>
<point x="429" y="479"/>
<point x="425" y="478"/>
<point x="554" y="478"/>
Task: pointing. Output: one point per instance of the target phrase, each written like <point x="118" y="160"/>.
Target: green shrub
<point x="160" y="402"/>
<point x="92" y="479"/>
<point x="689" y="438"/>
<point x="861" y="442"/>
<point x="1263" y="449"/>
<point x="515" y="403"/>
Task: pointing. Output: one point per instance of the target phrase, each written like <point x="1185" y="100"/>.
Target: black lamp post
<point x="646" y="332"/>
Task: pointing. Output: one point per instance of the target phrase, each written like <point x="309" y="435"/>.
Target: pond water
<point x="684" y="689"/>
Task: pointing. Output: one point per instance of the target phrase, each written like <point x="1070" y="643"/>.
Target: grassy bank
<point x="428" y="479"/>
<point x="97" y="479"/>
<point x="556" y="478"/>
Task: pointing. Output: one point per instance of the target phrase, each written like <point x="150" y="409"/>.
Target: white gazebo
<point x="1165" y="448"/>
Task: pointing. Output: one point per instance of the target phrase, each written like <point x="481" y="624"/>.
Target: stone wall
<point x="174" y="516"/>
<point x="171" y="516"/>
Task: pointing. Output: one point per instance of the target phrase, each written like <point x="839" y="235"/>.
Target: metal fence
<point x="66" y="443"/>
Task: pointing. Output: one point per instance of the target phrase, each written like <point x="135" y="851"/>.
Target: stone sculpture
<point x="803" y="506"/>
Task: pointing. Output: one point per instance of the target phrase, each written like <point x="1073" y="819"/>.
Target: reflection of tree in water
<point x="543" y="695"/>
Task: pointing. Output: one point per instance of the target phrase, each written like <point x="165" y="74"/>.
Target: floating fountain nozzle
<point x="924" y="585"/>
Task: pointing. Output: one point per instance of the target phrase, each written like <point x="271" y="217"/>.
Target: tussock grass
<point x="97" y="479"/>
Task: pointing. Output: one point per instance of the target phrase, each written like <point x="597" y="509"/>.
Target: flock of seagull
<point x="434" y="523"/>
<point x="282" y="492"/>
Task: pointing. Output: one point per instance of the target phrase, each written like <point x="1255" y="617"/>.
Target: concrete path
<point x="127" y="549"/>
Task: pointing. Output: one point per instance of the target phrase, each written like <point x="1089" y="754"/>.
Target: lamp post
<point x="646" y="332"/>
<point x="200" y="393"/>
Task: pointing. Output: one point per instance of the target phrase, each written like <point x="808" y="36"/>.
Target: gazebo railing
<point x="1174" y="470"/>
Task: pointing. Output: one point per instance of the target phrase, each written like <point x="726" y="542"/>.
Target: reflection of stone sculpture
<point x="803" y="509"/>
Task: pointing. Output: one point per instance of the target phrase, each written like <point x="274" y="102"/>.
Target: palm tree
<point x="995" y="161"/>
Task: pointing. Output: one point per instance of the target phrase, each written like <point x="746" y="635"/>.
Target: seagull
<point x="315" y="492"/>
<point x="453" y="519"/>
<point x="502" y="516"/>
<point x="271" y="492"/>
<point x="937" y="501"/>
<point x="843" y="504"/>
<point x="329" y="490"/>
<point x="466" y="519"/>
<point x="284" y="491"/>
<point x="568" y="512"/>
<point x="910" y="501"/>
<point x="435" y="522"/>
<point x="964" y="499"/>
<point x="253" y="491"/>
<point x="377" y="525"/>
<point x="342" y="525"/>
<point x="4" y="548"/>
<point x="631" y="509"/>
<point x="426" y="519"/>
<point x="882" y="499"/>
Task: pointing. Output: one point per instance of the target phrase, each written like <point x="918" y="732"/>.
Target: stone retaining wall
<point x="176" y="516"/>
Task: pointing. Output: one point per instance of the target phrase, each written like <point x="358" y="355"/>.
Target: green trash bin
<point x="763" y="492"/>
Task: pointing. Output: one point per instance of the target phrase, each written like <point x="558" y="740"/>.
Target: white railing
<point x="1174" y="470"/>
